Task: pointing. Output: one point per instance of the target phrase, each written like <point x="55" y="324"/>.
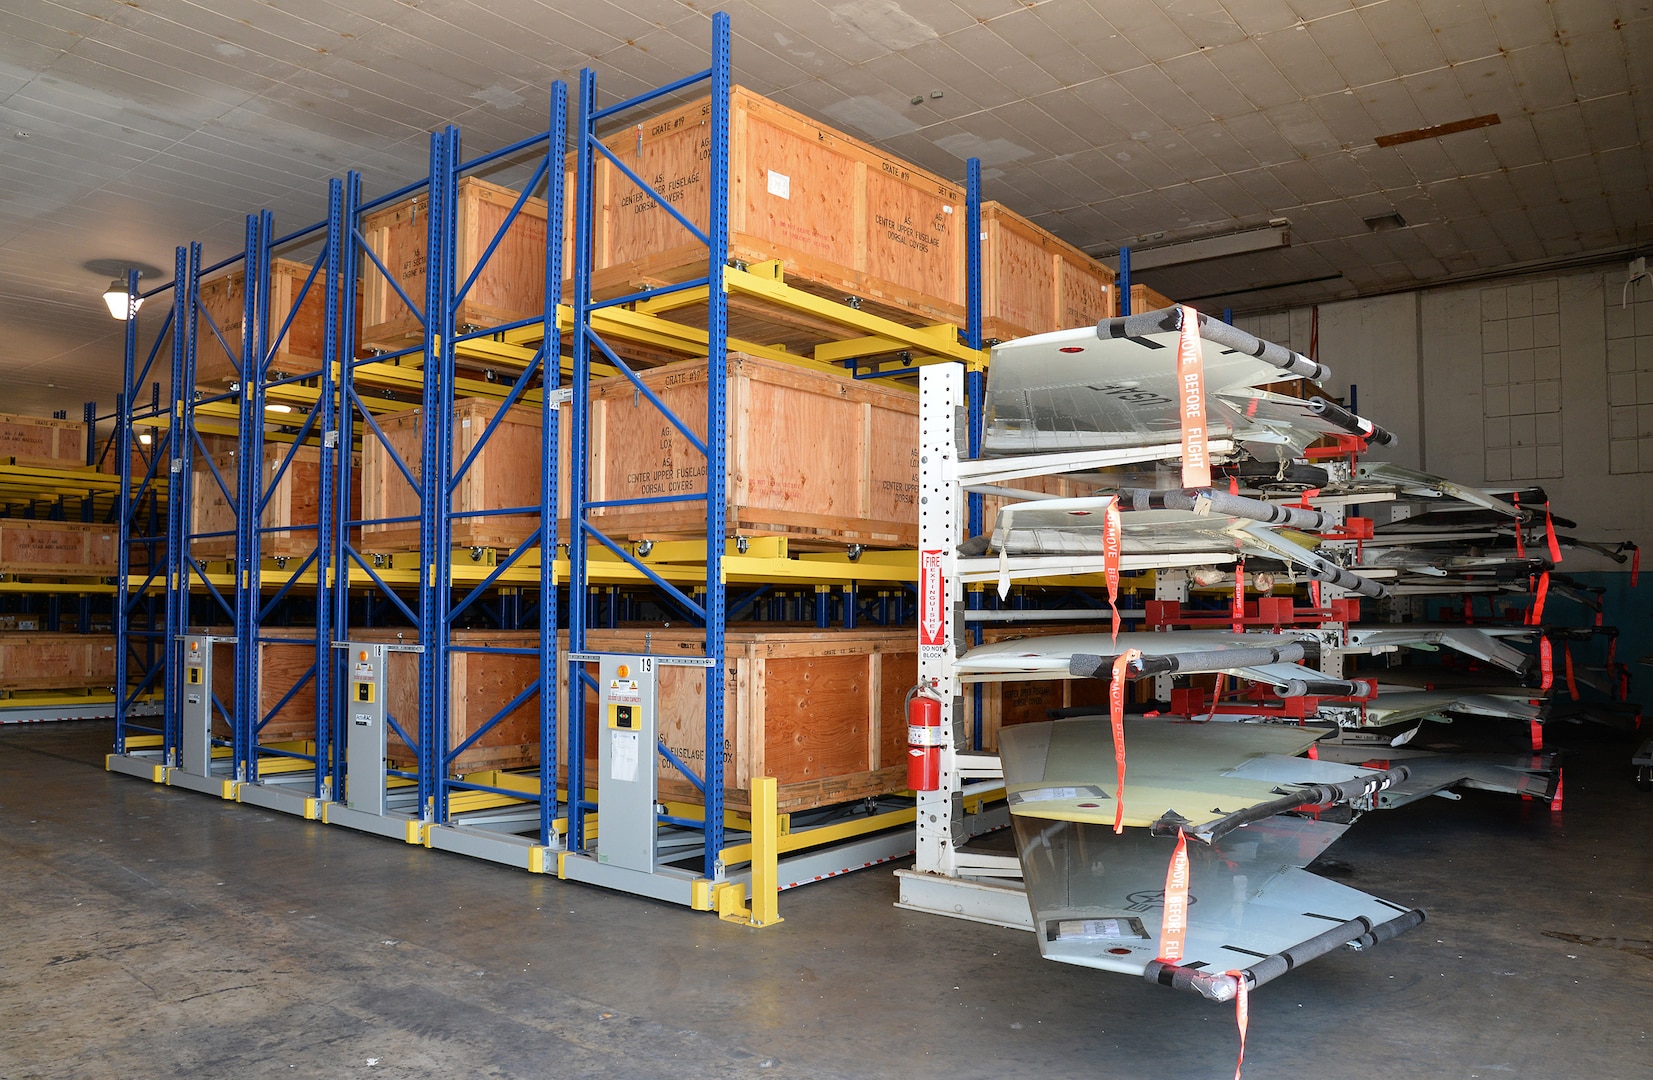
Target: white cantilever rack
<point x="945" y="878"/>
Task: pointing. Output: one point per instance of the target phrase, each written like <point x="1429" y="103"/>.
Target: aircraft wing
<point x="1413" y="482"/>
<point x="1116" y="385"/>
<point x="1075" y="527"/>
<point x="1400" y="704"/>
<point x="1266" y="658"/>
<point x="1097" y="898"/>
<point x="1482" y="644"/>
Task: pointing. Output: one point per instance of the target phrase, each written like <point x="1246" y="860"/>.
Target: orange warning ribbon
<point x="1173" y="925"/>
<point x="1111" y="545"/>
<point x="1116" y="712"/>
<point x="1196" y="460"/>
<point x="1520" y="547"/>
<point x="1242" y="1014"/>
<point x="1567" y="666"/>
<point x="1546" y="664"/>
<point x="1536" y="616"/>
<point x="1549" y="536"/>
<point x="1239" y="597"/>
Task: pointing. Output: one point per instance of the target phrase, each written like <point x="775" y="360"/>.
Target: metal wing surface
<point x="1075" y="527"/>
<point x="1471" y="641"/>
<point x="1051" y="656"/>
<point x="1116" y="385"/>
<point x="1097" y="898"/>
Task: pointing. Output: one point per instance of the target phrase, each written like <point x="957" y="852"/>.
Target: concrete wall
<point x="1540" y="380"/>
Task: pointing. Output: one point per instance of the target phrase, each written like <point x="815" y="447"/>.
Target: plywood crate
<point x="1034" y="282"/>
<point x="506" y="473"/>
<point x="295" y="502"/>
<point x="817" y="457"/>
<point x="480" y="684"/>
<point x="1144" y="299"/>
<point x="820" y="711"/>
<point x="285" y="657"/>
<point x="48" y="661"/>
<point x="1005" y="704"/>
<point x="42" y="442"/>
<point x="303" y="349"/>
<point x="510" y="288"/>
<point x="846" y="218"/>
<point x="33" y="547"/>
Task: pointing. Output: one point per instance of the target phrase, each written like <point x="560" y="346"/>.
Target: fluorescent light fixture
<point x="144" y="438"/>
<point x="122" y="306"/>
<point x="278" y="407"/>
<point x="1276" y="234"/>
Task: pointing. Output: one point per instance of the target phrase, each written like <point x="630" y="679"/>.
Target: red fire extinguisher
<point x="924" y="740"/>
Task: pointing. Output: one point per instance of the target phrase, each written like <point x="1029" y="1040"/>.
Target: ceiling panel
<point x="1138" y="123"/>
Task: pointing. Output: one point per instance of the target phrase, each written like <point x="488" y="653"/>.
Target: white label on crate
<point x="780" y="185"/>
<point x="464" y="422"/>
<point x="622" y="756"/>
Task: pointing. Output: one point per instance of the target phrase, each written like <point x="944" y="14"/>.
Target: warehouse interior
<point x="391" y="382"/>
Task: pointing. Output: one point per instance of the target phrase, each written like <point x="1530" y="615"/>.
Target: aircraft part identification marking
<point x="932" y="598"/>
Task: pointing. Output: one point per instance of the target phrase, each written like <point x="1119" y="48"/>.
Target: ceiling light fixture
<point x="277" y="407"/>
<point x="122" y="305"/>
<point x="1277" y="234"/>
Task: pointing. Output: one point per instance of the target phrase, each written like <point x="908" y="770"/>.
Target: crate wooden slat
<point x="821" y="711"/>
<point x="846" y="218"/>
<point x="505" y="474"/>
<point x="48" y="661"/>
<point x="304" y="347"/>
<point x="43" y="442"/>
<point x="33" y="547"/>
<point x="816" y="457"/>
<point x="510" y="288"/>
<point x="1034" y="282"/>
<point x="294" y="503"/>
<point x="1145" y="299"/>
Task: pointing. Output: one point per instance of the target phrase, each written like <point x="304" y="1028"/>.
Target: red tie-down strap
<point x="1173" y="925"/>
<point x="1112" y="544"/>
<point x="1549" y="536"/>
<point x="1239" y="597"/>
<point x="1635" y="566"/>
<point x="1567" y="665"/>
<point x="1242" y="1015"/>
<point x="1196" y="461"/>
<point x="1536" y="616"/>
<point x="1520" y="544"/>
<point x="1116" y="712"/>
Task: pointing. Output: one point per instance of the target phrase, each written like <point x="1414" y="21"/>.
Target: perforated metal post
<point x="578" y="451"/>
<point x="249" y="495"/>
<point x="550" y="358"/>
<point x="435" y="527"/>
<point x="717" y="419"/>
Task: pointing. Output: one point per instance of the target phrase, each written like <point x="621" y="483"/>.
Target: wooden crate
<point x="820" y="458"/>
<point x="1033" y="282"/>
<point x="294" y="502"/>
<point x="42" y="442"/>
<point x="30" y="547"/>
<point x="285" y="656"/>
<point x="303" y="349"/>
<point x="510" y="288"/>
<point x="48" y="661"/>
<point x="1144" y="299"/>
<point x="821" y="711"/>
<point x="506" y="473"/>
<point x="846" y="218"/>
<point x="480" y="685"/>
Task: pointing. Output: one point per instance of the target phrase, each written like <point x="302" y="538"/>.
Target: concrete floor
<point x="149" y="931"/>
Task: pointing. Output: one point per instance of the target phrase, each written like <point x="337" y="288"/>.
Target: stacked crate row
<point x="43" y="550"/>
<point x="821" y="459"/>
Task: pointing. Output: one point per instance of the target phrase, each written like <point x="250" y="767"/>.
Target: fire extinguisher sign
<point x="932" y="592"/>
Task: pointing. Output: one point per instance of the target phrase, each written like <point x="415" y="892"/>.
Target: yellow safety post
<point x="765" y="910"/>
<point x="766" y="873"/>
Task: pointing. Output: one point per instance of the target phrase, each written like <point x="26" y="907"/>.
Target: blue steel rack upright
<point x="710" y="612"/>
<point x="433" y="820"/>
